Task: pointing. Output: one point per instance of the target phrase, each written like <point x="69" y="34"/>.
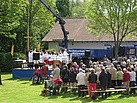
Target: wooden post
<point x="28" y="37"/>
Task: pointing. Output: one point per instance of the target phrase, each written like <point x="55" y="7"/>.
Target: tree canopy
<point x="115" y="17"/>
<point x="18" y="17"/>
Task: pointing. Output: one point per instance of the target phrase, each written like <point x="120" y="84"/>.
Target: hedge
<point x="7" y="62"/>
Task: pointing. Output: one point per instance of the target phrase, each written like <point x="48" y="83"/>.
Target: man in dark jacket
<point x="92" y="82"/>
<point x="109" y="79"/>
<point x="65" y="78"/>
<point x="103" y="81"/>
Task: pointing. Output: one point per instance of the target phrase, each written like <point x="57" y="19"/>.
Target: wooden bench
<point x="119" y="87"/>
<point x="104" y="91"/>
<point x="109" y="90"/>
<point x="135" y="87"/>
<point x="73" y="87"/>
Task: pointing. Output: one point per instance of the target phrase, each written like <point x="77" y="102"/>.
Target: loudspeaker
<point x="87" y="53"/>
<point x="36" y="56"/>
<point x="121" y="51"/>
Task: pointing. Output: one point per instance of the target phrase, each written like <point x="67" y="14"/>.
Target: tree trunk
<point x="116" y="51"/>
<point x="0" y="80"/>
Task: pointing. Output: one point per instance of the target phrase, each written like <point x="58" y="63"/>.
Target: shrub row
<point x="7" y="62"/>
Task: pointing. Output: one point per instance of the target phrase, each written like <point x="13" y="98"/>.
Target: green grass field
<point x="22" y="91"/>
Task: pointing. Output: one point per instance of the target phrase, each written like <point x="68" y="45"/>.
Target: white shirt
<point x="41" y="60"/>
<point x="81" y="78"/>
<point x="30" y="56"/>
<point x="46" y="56"/>
<point x="132" y="76"/>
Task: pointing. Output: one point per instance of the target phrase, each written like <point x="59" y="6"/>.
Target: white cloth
<point x="46" y="56"/>
<point x="41" y="60"/>
<point x="81" y="78"/>
<point x="30" y="57"/>
<point x="56" y="73"/>
<point x="132" y="76"/>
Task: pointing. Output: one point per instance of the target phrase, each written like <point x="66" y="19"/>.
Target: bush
<point x="7" y="62"/>
<point x="51" y="50"/>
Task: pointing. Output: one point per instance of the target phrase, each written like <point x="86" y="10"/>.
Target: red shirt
<point x="44" y="70"/>
<point x="37" y="71"/>
<point x="126" y="76"/>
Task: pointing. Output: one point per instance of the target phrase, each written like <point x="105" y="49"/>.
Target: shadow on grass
<point x="5" y="73"/>
<point x="86" y="99"/>
<point x="114" y="96"/>
<point x="36" y="84"/>
<point x="18" y="79"/>
<point x="22" y="81"/>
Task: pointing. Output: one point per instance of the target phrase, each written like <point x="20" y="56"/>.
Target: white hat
<point x="124" y="69"/>
<point x="107" y="68"/>
<point x="80" y="69"/>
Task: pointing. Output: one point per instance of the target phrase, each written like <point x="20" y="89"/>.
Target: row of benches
<point x="119" y="89"/>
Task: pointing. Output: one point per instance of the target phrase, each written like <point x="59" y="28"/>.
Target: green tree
<point x="77" y="8"/>
<point x="16" y="16"/>
<point x="115" y="17"/>
<point x="63" y="7"/>
<point x="39" y="20"/>
<point x="11" y="12"/>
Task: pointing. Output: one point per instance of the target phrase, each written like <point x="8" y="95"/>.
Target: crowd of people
<point x="37" y="58"/>
<point x="100" y="74"/>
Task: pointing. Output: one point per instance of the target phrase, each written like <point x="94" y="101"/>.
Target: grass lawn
<point x="22" y="91"/>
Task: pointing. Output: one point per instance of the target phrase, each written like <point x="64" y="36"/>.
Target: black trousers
<point x="81" y="93"/>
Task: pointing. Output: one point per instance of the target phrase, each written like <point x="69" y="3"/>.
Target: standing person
<point x="0" y="78"/>
<point x="76" y="67"/>
<point x="65" y="78"/>
<point x="44" y="70"/>
<point x="126" y="79"/>
<point x="56" y="74"/>
<point x="132" y="80"/>
<point x="72" y="79"/>
<point x="92" y="82"/>
<point x="46" y="56"/>
<point x="113" y="72"/>
<point x="30" y="59"/>
<point x="103" y="81"/>
<point x="109" y="79"/>
<point x="119" y="76"/>
<point x="41" y="60"/>
<point x="98" y="71"/>
<point x="81" y="79"/>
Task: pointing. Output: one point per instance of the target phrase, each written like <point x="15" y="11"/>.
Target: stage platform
<point x="24" y="73"/>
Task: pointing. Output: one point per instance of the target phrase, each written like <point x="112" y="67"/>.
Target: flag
<point x="12" y="49"/>
<point x="38" y="48"/>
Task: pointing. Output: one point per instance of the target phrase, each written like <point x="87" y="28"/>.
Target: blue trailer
<point x="92" y="53"/>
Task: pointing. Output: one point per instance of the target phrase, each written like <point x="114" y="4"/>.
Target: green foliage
<point x="40" y="20"/>
<point x="20" y="17"/>
<point x="7" y="62"/>
<point x="63" y="7"/>
<point x="51" y="50"/>
<point x="114" y="17"/>
<point x="10" y="16"/>
<point x="77" y="8"/>
<point x="71" y="8"/>
<point x="20" y="55"/>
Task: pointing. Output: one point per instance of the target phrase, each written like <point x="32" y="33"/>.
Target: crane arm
<point x="61" y="22"/>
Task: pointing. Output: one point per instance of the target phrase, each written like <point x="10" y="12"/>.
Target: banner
<point x="12" y="49"/>
<point x="38" y="48"/>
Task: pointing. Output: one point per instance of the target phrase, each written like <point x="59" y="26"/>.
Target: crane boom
<point x="61" y="22"/>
